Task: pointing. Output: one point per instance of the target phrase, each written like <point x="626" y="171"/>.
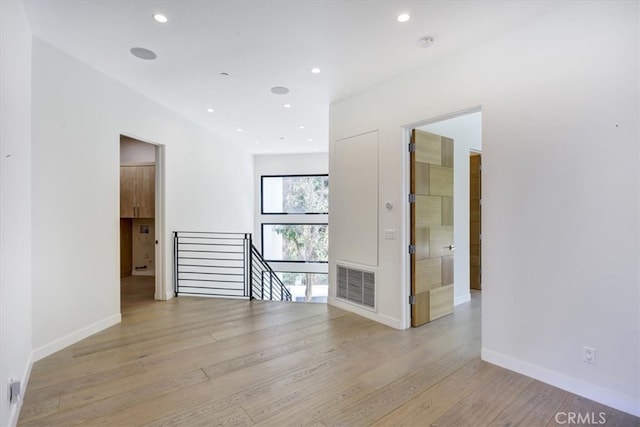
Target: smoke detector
<point x="426" y="41"/>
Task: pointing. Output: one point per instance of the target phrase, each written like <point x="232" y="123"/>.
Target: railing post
<point x="175" y="263"/>
<point x="271" y="287"/>
<point x="249" y="263"/>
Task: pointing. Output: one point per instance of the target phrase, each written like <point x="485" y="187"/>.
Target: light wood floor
<point x="195" y="361"/>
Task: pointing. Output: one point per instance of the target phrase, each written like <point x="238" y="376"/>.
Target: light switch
<point x="390" y="234"/>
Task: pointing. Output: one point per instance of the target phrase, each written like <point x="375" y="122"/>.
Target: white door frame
<point x="161" y="290"/>
<point x="406" y="220"/>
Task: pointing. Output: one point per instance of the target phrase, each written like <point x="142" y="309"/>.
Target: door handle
<point x="450" y="247"/>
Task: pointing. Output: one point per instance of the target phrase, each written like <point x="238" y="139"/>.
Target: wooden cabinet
<point x="137" y="191"/>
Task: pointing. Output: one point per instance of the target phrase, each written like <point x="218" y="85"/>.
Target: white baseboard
<point x="372" y="315"/>
<point x="461" y="299"/>
<point x="74" y="337"/>
<point x="599" y="394"/>
<point x="15" y="409"/>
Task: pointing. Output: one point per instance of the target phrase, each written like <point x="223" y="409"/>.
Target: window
<point x="295" y="194"/>
<point x="295" y="242"/>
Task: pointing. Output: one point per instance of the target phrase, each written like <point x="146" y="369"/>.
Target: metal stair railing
<point x="225" y="265"/>
<point x="265" y="284"/>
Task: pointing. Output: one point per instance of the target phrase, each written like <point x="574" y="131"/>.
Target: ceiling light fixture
<point x="257" y="142"/>
<point x="426" y="41"/>
<point x="279" y="90"/>
<point x="315" y="70"/>
<point x="287" y="105"/>
<point x="209" y="110"/>
<point x="403" y="17"/>
<point x="300" y="127"/>
<point x="239" y="130"/>
<point x="310" y="140"/>
<point x="142" y="53"/>
<point x="160" y="18"/>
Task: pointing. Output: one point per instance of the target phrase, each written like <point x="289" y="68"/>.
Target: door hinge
<point x="412" y="198"/>
<point x="480" y="167"/>
<point x="480" y="201"/>
<point x="412" y="299"/>
<point x="412" y="147"/>
<point x="412" y="249"/>
<point x="480" y="237"/>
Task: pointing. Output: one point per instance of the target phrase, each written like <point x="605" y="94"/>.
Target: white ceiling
<point x="262" y="44"/>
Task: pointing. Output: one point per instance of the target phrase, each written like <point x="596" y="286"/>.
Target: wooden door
<point x="127" y="191"/>
<point x="145" y="191"/>
<point x="475" y="220"/>
<point x="431" y="227"/>
<point x="126" y="247"/>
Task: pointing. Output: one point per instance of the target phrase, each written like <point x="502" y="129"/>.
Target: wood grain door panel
<point x="145" y="191"/>
<point x="475" y="220"/>
<point x="431" y="227"/>
<point x="127" y="189"/>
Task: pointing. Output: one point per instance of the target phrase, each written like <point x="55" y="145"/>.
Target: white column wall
<point x="561" y="214"/>
<point x="15" y="204"/>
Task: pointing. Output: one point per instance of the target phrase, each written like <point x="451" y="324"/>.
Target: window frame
<point x="262" y="177"/>
<point x="285" y="260"/>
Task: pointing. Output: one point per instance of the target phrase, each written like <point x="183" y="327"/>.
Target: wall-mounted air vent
<point x="357" y="286"/>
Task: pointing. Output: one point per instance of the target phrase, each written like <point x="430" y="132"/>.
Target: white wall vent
<point x="357" y="286"/>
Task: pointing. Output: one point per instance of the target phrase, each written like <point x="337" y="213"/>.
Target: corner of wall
<point x="556" y="379"/>
<point x="74" y="337"/>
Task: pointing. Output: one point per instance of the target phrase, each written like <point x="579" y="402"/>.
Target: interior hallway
<point x="200" y="361"/>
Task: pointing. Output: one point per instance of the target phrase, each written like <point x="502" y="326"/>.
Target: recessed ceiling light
<point x="160" y="18"/>
<point x="239" y="130"/>
<point x="426" y="41"/>
<point x="300" y="127"/>
<point x="269" y="151"/>
<point x="287" y="105"/>
<point x="142" y="53"/>
<point x="310" y="140"/>
<point x="279" y="90"/>
<point x="315" y="70"/>
<point x="257" y="142"/>
<point x="403" y="17"/>
<point x="209" y="110"/>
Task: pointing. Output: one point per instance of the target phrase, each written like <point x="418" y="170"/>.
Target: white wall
<point x="15" y="203"/>
<point x="561" y="215"/>
<point x="466" y="131"/>
<point x="287" y="164"/>
<point x="78" y="117"/>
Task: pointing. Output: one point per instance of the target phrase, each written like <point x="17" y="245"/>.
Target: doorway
<point x="464" y="129"/>
<point x="141" y="221"/>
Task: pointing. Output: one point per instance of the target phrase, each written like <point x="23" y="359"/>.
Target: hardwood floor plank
<point x="484" y="404"/>
<point x="388" y="398"/>
<point x="435" y="401"/>
<point x="535" y="406"/>
<point x="202" y="361"/>
<point x="592" y="412"/>
<point x="205" y="417"/>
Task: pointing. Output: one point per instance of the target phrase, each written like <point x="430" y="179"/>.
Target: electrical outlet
<point x="589" y="355"/>
<point x="14" y="391"/>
